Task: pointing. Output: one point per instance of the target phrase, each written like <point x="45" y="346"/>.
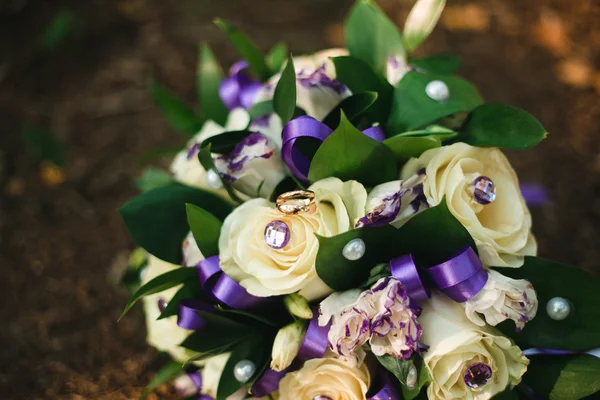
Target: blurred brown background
<point x="61" y="239"/>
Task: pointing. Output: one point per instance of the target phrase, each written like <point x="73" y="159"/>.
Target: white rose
<point x="326" y="377"/>
<point x="164" y="335"/>
<point x="287" y="345"/>
<point x="501" y="229"/>
<point x="503" y="298"/>
<point x="456" y="344"/>
<point x="253" y="167"/>
<point x="265" y="271"/>
<point x="185" y="166"/>
<point x="317" y="91"/>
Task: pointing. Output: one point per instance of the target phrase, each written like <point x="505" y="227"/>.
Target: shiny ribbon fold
<point x="219" y="287"/>
<point x="315" y="342"/>
<point x="461" y="277"/>
<point x="239" y="89"/>
<point x="384" y="387"/>
<point x="306" y="127"/>
<point x="267" y="383"/>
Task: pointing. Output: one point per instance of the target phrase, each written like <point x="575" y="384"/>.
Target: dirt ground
<point x="59" y="336"/>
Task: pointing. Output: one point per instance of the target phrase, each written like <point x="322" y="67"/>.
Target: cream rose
<point x="501" y="229"/>
<point x="327" y="377"/>
<point x="456" y="344"/>
<point x="185" y="166"/>
<point x="265" y="271"/>
<point x="164" y="334"/>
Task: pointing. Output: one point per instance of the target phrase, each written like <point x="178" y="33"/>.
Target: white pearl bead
<point x="244" y="370"/>
<point x="354" y="249"/>
<point x="213" y="180"/>
<point x="438" y="91"/>
<point x="411" y="377"/>
<point x="558" y="308"/>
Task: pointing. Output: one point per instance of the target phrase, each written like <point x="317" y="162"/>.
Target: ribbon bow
<point x="219" y="287"/>
<point x="461" y="277"/>
<point x="239" y="90"/>
<point x="308" y="127"/>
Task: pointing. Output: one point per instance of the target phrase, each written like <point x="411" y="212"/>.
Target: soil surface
<point x="61" y="242"/>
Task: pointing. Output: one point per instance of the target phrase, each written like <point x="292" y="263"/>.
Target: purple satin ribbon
<point x="461" y="277"/>
<point x="239" y="90"/>
<point x="188" y="317"/>
<point x="309" y="128"/>
<point x="225" y="290"/>
<point x="267" y="383"/>
<point x="315" y="340"/>
<point x="403" y="268"/>
<point x="385" y="389"/>
<point x="534" y="194"/>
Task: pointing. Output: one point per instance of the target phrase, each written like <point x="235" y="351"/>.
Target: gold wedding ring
<point x="297" y="201"/>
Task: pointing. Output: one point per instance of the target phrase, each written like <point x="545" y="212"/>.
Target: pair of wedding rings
<point x="296" y="202"/>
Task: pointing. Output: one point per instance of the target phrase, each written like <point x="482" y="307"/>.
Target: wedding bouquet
<point x="344" y="225"/>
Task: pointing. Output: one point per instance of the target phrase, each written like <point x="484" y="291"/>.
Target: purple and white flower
<point x="397" y="67"/>
<point x="395" y="202"/>
<point x="317" y="91"/>
<point x="503" y="298"/>
<point x="394" y="327"/>
<point x="253" y="167"/>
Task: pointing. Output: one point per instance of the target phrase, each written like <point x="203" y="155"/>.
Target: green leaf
<point x="412" y="108"/>
<point x="377" y="272"/>
<point x="225" y="142"/>
<point x="424" y="379"/>
<point x="438" y="131"/>
<point x="261" y="109"/>
<point x="445" y="64"/>
<point x="276" y="57"/>
<point x="397" y="366"/>
<point x="205" y="228"/>
<point x="43" y="145"/>
<point x="60" y="28"/>
<point x="165" y="374"/>
<point x="177" y="114"/>
<point x="160" y="283"/>
<point x="420" y="22"/>
<point x="208" y="79"/>
<point x="407" y="147"/>
<point x="248" y="318"/>
<point x="218" y="336"/>
<point x="284" y="98"/>
<point x="499" y="125"/>
<point x="157" y="219"/>
<point x="349" y="154"/>
<point x="190" y="290"/>
<point x="371" y="37"/>
<point x="254" y="349"/>
<point x="434" y="225"/>
<point x="564" y="377"/>
<point x="353" y="107"/>
<point x="359" y="77"/>
<point x="581" y="330"/>
<point x="153" y="178"/>
<point x="247" y="49"/>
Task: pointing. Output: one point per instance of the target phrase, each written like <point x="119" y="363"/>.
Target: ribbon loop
<point x="461" y="277"/>
<point x="404" y="269"/>
<point x="385" y="388"/>
<point x="188" y="318"/>
<point x="267" y="383"/>
<point x="309" y="128"/>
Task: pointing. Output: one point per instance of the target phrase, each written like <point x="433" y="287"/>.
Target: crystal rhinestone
<point x="484" y="190"/>
<point x="244" y="370"/>
<point x="277" y="234"/>
<point x="411" y="377"/>
<point x="558" y="308"/>
<point x="162" y="304"/>
<point x="354" y="249"/>
<point x="213" y="180"/>
<point x="478" y="375"/>
<point x="438" y="91"/>
<point x="321" y="397"/>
